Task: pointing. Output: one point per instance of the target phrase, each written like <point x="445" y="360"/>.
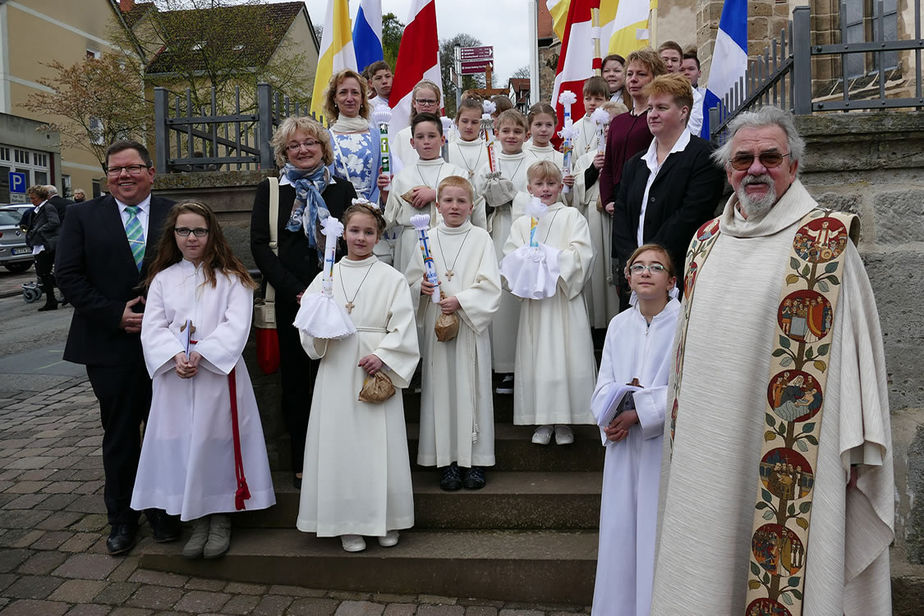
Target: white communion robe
<point x="709" y="487"/>
<point x="545" y="152"/>
<point x="357" y="474"/>
<point x="469" y="155"/>
<point x="586" y="139"/>
<point x="398" y="212"/>
<point x="187" y="458"/>
<point x="504" y="327"/>
<point x="629" y="503"/>
<point x="602" y="294"/>
<point x="456" y="404"/>
<point x="555" y="365"/>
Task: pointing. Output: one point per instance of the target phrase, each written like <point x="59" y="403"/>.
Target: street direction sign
<point x="477" y="53"/>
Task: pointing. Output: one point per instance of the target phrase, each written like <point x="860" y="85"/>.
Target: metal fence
<point x="205" y="138"/>
<point x="783" y="75"/>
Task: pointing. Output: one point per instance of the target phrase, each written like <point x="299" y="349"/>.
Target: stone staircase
<point x="530" y="535"/>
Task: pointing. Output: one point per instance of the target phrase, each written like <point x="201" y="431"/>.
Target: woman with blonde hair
<point x="355" y="142"/>
<point x="306" y="192"/>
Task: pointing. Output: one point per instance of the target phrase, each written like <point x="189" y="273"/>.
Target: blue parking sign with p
<point x="17" y="182"/>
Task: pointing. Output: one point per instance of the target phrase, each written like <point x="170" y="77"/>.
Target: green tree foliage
<point x="392" y="29"/>
<point x="95" y="102"/>
<point x="220" y="44"/>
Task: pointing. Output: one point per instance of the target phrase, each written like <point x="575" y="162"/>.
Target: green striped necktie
<point x="135" y="234"/>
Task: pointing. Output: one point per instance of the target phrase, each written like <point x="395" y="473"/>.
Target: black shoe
<point x="451" y="479"/>
<point x="505" y="386"/>
<point x="165" y="528"/>
<point x="121" y="539"/>
<point x="48" y="307"/>
<point x="474" y="478"/>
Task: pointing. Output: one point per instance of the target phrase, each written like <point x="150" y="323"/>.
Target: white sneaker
<point x="505" y="386"/>
<point x="390" y="539"/>
<point x="542" y="435"/>
<point x="563" y="435"/>
<point x="353" y="543"/>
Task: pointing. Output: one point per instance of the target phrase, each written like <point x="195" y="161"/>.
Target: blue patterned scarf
<point x="309" y="206"/>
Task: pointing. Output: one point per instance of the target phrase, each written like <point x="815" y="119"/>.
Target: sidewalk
<point x="53" y="530"/>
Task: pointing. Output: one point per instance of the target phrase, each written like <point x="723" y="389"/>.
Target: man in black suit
<point x="104" y="248"/>
<point x="58" y="201"/>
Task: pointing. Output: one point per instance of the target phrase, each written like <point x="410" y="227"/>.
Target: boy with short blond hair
<point x="456" y="405"/>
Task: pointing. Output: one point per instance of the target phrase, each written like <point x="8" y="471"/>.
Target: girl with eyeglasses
<point x="629" y="405"/>
<point x="203" y="454"/>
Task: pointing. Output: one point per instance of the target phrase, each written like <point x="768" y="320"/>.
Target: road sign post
<point x="17" y="187"/>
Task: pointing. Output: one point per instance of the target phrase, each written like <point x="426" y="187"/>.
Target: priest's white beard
<point x="756" y="207"/>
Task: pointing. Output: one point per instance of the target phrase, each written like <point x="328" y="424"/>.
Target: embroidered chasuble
<point x="711" y="473"/>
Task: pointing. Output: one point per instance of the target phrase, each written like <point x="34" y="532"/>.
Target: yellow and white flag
<point x="625" y="25"/>
<point x="336" y="52"/>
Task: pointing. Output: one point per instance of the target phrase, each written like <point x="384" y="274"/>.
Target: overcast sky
<point x="501" y="23"/>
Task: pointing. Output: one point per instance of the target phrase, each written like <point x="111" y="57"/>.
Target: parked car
<point x="14" y="254"/>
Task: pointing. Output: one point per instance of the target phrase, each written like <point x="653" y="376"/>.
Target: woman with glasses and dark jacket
<point x="670" y="189"/>
<point x="307" y="193"/>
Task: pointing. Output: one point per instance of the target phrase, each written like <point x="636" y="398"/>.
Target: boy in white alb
<point x="456" y="405"/>
<point x="504" y="191"/>
<point x="418" y="182"/>
<point x="555" y="364"/>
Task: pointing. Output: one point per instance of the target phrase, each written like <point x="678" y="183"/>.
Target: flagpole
<point x="534" y="52"/>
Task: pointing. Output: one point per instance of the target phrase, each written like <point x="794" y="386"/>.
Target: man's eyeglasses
<point x="295" y="146"/>
<point x="654" y="268"/>
<point x="131" y="169"/>
<point x="185" y="231"/>
<point x="743" y="162"/>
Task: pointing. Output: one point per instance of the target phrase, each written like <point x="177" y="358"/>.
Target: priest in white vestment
<point x="710" y="480"/>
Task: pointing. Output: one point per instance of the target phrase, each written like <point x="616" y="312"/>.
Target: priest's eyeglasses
<point x="185" y="231"/>
<point x="654" y="268"/>
<point x="771" y="159"/>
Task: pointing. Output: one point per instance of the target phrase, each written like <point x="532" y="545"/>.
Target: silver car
<point x="14" y="254"/>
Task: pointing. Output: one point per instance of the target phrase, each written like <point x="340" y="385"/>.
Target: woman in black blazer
<point x="43" y="232"/>
<point x="671" y="189"/>
<point x="306" y="187"/>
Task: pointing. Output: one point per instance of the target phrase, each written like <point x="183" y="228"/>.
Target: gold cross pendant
<point x="450" y="274"/>
<point x="349" y="307"/>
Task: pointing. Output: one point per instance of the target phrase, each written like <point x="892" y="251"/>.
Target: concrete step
<point x="535" y="566"/>
<point x="514" y="451"/>
<point x="510" y="500"/>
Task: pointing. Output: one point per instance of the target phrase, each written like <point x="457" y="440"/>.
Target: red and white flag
<point x="418" y="58"/>
<point x="576" y="61"/>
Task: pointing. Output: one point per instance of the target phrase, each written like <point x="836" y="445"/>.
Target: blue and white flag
<point x="367" y="33"/>
<point x="729" y="57"/>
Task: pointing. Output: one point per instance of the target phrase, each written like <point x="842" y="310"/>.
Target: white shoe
<point x="353" y="543"/>
<point x="542" y="435"/>
<point x="563" y="435"/>
<point x="390" y="539"/>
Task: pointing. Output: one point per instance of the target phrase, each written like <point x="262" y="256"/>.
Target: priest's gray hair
<point x="767" y="115"/>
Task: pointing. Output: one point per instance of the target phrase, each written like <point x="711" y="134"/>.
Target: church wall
<point x="872" y="164"/>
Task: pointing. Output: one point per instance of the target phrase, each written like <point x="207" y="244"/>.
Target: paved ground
<point x="53" y="527"/>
